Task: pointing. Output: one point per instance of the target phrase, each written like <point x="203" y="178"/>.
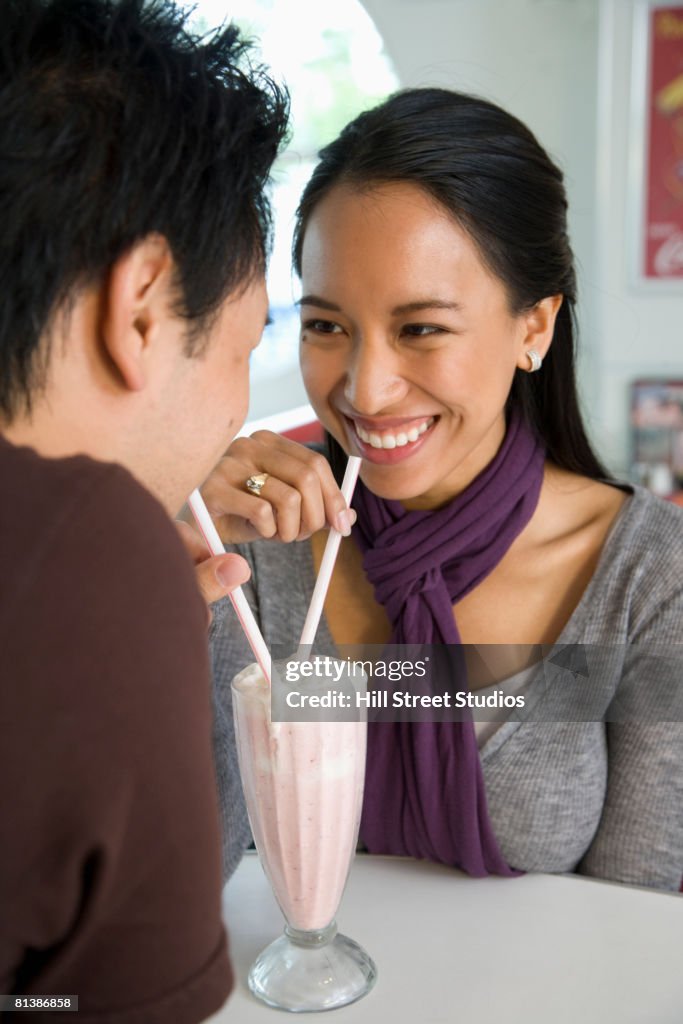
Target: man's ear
<point x="136" y="301"/>
<point x="539" y="323"/>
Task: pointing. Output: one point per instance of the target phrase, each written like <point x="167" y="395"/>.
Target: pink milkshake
<point x="303" y="785"/>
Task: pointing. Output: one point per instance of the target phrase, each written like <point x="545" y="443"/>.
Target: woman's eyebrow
<point x="416" y="307"/>
<point x="407" y="307"/>
<point x="315" y="300"/>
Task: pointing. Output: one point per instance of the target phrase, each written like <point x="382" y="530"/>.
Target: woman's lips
<point x="386" y="446"/>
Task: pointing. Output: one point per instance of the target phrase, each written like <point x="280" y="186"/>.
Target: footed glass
<point x="303" y="786"/>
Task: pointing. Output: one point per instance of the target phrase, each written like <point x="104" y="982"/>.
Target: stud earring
<point x="535" y="361"/>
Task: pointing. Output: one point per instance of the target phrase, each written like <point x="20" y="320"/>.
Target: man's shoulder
<point x="99" y="606"/>
<point x="81" y="512"/>
<point x="31" y="478"/>
<point x="99" y="594"/>
<point x="44" y="491"/>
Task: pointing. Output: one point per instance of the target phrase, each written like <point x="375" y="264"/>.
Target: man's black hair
<point x="117" y="122"/>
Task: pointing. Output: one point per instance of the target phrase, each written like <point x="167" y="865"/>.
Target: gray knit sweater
<point x="599" y="798"/>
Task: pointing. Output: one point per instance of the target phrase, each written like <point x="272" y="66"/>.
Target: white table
<point x="449" y="949"/>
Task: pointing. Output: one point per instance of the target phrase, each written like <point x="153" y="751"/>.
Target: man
<point x="133" y="159"/>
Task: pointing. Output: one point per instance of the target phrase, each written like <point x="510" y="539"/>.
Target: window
<point x="333" y="69"/>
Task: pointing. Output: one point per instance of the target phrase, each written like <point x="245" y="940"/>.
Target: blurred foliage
<point x="325" y="88"/>
<point x="331" y="96"/>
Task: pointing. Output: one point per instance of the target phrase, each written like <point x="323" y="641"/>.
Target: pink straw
<point x="315" y="609"/>
<point x="239" y="601"/>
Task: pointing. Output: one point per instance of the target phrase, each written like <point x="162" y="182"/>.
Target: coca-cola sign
<point x="662" y="248"/>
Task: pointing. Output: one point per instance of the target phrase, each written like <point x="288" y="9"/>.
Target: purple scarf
<point x="424" y="794"/>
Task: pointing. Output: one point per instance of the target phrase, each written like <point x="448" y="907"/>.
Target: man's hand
<point x="217" y="575"/>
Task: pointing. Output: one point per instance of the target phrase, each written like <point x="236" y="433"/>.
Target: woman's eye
<point x="321" y="326"/>
<point x="422" y="330"/>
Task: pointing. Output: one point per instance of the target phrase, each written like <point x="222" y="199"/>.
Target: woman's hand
<point x="299" y="497"/>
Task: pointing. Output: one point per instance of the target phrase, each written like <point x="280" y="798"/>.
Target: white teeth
<point x="387" y="440"/>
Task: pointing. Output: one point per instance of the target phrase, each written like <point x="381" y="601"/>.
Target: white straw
<point x="315" y="609"/>
<point x="239" y="601"/>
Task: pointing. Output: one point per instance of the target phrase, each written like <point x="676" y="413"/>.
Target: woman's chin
<point x="386" y="482"/>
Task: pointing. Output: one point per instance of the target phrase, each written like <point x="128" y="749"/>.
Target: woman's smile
<point x="389" y="441"/>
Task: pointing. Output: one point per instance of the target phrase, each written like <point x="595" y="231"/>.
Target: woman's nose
<point x="373" y="379"/>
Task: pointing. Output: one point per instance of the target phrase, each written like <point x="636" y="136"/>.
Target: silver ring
<point x="255" y="483"/>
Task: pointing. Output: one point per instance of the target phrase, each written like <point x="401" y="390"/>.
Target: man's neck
<point x="54" y="433"/>
<point x="53" y="436"/>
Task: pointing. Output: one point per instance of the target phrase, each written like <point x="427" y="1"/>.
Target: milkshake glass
<point x="303" y="786"/>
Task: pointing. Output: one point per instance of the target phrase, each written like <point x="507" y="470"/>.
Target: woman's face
<point x="408" y="347"/>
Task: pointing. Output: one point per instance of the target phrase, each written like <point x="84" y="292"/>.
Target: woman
<point x="437" y="342"/>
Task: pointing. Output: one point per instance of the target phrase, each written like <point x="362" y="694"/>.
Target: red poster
<point x="663" y="256"/>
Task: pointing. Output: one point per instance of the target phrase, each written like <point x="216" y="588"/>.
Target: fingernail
<point x="343" y="522"/>
<point x="225" y="574"/>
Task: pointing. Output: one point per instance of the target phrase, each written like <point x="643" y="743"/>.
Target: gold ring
<point x="255" y="483"/>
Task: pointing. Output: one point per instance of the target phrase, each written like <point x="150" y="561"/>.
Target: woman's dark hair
<point x="488" y="171"/>
<point x="116" y="122"/>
